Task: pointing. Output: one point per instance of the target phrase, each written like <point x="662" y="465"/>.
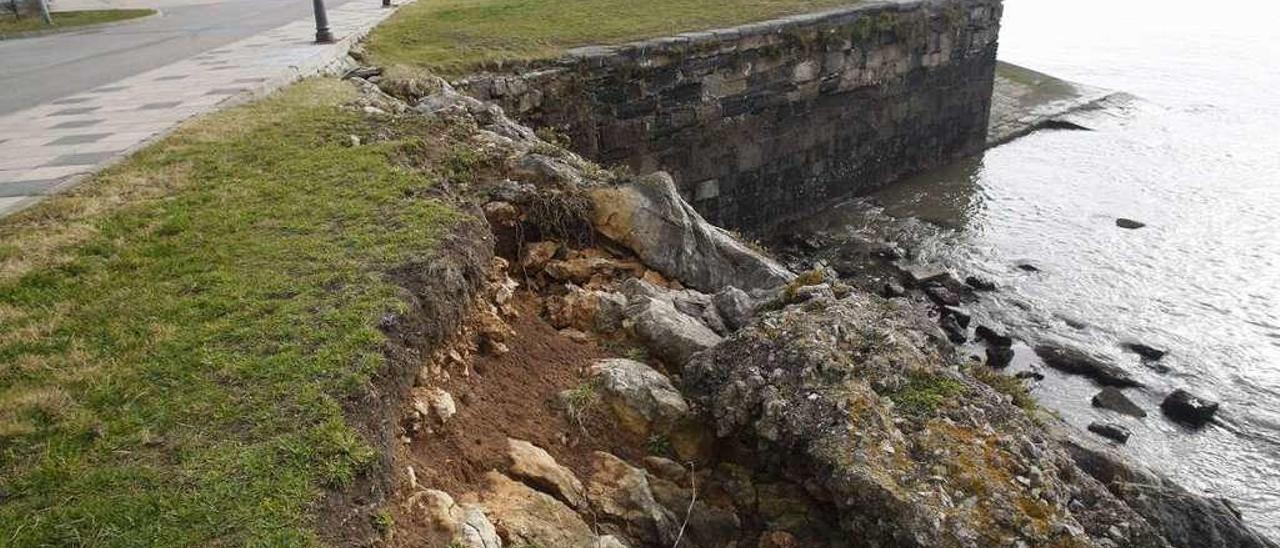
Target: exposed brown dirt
<point x="508" y="396"/>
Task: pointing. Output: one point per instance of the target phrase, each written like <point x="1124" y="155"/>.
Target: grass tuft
<point x="65" y="20"/>
<point x="453" y="37"/>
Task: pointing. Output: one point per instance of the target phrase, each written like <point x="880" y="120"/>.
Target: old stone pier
<point x="773" y="119"/>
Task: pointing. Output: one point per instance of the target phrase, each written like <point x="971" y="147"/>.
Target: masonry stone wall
<point x="770" y="120"/>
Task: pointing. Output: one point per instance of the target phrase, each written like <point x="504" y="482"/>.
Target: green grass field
<point x="65" y="20"/>
<point x="177" y="335"/>
<point x="454" y="36"/>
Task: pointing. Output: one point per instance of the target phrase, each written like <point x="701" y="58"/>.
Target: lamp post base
<point x="324" y="37"/>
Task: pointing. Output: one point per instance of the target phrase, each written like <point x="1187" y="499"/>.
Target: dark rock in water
<point x="1059" y="124"/>
<point x="1077" y="362"/>
<point x="1189" y="408"/>
<point x="942" y="295"/>
<point x="992" y="337"/>
<point x="1027" y="267"/>
<point x="1147" y="352"/>
<point x="1033" y="375"/>
<point x="999" y="357"/>
<point x="954" y="331"/>
<point x="1129" y="223"/>
<point x="980" y="284"/>
<point x="1110" y="431"/>
<point x="961" y="315"/>
<point x="893" y="289"/>
<point x="1183" y="518"/>
<point x="1115" y="400"/>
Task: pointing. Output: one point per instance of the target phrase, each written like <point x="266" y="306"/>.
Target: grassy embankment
<point x="451" y="37"/>
<point x="65" y="20"/>
<point x="177" y="335"/>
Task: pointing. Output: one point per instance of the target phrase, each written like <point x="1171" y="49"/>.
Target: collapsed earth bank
<point x="593" y="364"/>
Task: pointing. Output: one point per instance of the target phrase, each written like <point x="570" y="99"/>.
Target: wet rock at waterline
<point x="1027" y="267"/>
<point x="955" y="333"/>
<point x="1188" y="408"/>
<point x="1029" y="375"/>
<point x="1000" y="357"/>
<point x="1129" y="223"/>
<point x="980" y="284"/>
<point x="893" y="290"/>
<point x="1147" y="352"/>
<point x="992" y="337"/>
<point x="1115" y="400"/>
<point x="1110" y="431"/>
<point x="1079" y="362"/>
<point x="942" y="295"/>
<point x="1184" y="519"/>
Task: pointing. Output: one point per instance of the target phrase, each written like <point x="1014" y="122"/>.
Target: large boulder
<point x="526" y="517"/>
<point x="640" y="397"/>
<point x="538" y="469"/>
<point x="648" y="216"/>
<point x="855" y="397"/>
<point x="1185" y="519"/>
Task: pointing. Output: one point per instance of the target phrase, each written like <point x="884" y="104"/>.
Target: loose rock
<point x="539" y="470"/>
<point x="1109" y="430"/>
<point x="1115" y="400"/>
<point x="735" y="306"/>
<point x="642" y="398"/>
<point x="1147" y="352"/>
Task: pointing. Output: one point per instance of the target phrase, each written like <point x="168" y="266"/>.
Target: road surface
<point x="37" y="70"/>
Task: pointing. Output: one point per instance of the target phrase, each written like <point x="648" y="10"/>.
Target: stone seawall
<point x="773" y="119"/>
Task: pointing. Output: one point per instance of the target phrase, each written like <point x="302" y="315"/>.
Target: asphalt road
<point x="37" y="70"/>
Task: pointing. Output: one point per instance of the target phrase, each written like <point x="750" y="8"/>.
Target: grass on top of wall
<point x="65" y="20"/>
<point x="452" y="37"/>
<point x="178" y="335"/>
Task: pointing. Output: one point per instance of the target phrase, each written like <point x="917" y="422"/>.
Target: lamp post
<point x="386" y="3"/>
<point x="323" y="36"/>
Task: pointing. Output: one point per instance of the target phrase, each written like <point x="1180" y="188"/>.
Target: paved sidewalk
<point x="54" y="146"/>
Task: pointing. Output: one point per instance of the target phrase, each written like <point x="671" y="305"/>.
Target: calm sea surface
<point x="1196" y="158"/>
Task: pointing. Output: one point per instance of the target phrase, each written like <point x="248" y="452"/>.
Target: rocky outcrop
<point x="649" y="217"/>
<point x="852" y="397"/>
